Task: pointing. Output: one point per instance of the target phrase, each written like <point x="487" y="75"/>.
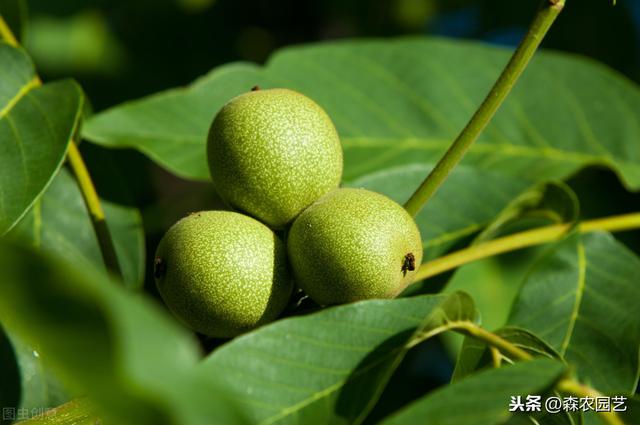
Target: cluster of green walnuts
<point x="276" y="160"/>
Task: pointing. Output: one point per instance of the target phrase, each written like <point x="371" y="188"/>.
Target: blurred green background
<point x="124" y="49"/>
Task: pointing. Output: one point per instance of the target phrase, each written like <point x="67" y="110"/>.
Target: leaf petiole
<point x="518" y="62"/>
<point x="523" y="240"/>
<point x="6" y="34"/>
<point x="92" y="201"/>
<point x="569" y="386"/>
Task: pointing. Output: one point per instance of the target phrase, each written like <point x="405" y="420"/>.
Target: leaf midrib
<point x="332" y="388"/>
<point x="425" y="144"/>
<point x="418" y="336"/>
<point x="484" y="147"/>
<point x="24" y="90"/>
<point x="580" y="287"/>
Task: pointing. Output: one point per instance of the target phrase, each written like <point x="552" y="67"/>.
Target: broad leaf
<point x="171" y="127"/>
<point x="36" y="125"/>
<point x="128" y="356"/>
<point x="398" y="105"/>
<point x="579" y="299"/>
<point x="403" y="101"/>
<point x="482" y="399"/>
<point x="331" y="366"/>
<point x="60" y="223"/>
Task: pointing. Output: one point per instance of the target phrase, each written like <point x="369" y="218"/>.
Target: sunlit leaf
<point x="331" y="366"/>
<point x="579" y="298"/>
<point x="36" y="125"/>
<point x="399" y="102"/>
<point x="398" y="105"/>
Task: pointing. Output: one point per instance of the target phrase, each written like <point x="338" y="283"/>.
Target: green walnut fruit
<point x="272" y="153"/>
<point x="354" y="244"/>
<point x="222" y="273"/>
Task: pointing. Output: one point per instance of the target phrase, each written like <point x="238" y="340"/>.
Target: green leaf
<point x="481" y="399"/>
<point x="36" y="125"/>
<point x="60" y="223"/>
<point x="397" y="106"/>
<point x="171" y="127"/>
<point x="331" y="366"/>
<point x="403" y="101"/>
<point x="128" y="356"/>
<point x="578" y="298"/>
<point x="493" y="283"/>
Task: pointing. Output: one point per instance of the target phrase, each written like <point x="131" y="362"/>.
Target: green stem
<point x="493" y="340"/>
<point x="569" y="386"/>
<point x="496" y="357"/>
<point x="6" y="34"/>
<point x="87" y="188"/>
<point x="521" y="57"/>
<point x="92" y="201"/>
<point x="522" y="240"/>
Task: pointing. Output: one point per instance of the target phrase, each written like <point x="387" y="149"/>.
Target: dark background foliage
<point x="142" y="46"/>
<point x="124" y="49"/>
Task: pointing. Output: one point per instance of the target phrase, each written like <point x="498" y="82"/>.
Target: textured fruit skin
<point x="222" y="273"/>
<point x="351" y="245"/>
<point x="272" y="153"/>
